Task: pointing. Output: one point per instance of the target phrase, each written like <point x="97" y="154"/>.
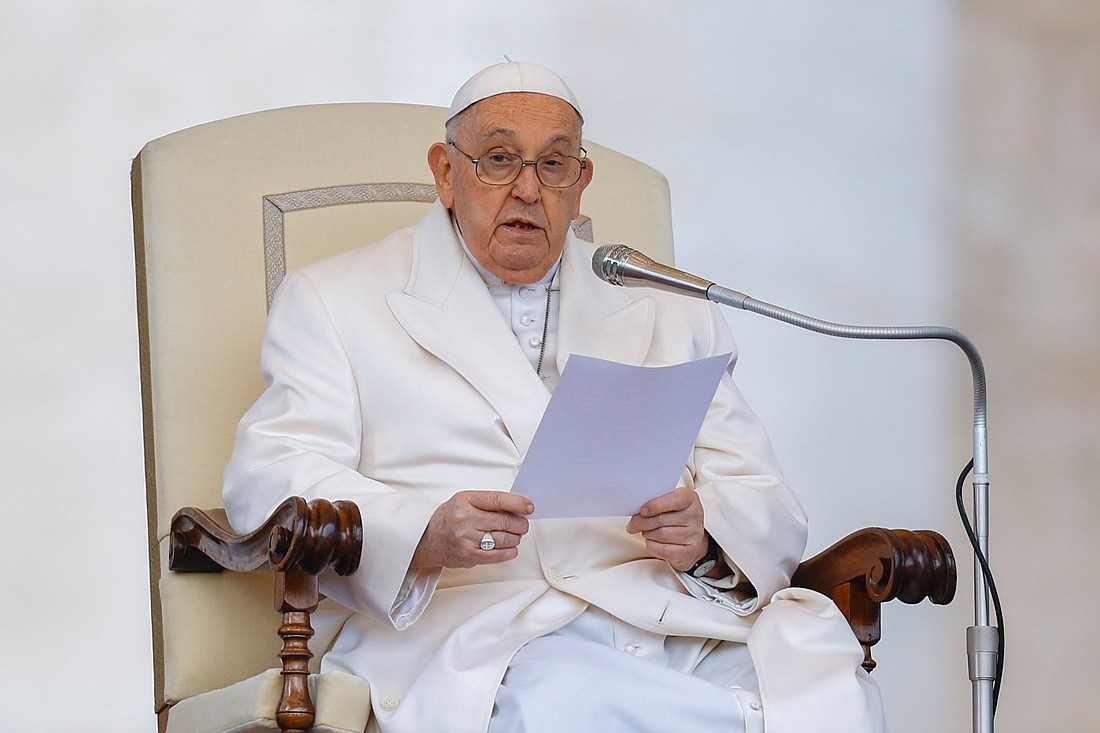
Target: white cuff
<point x="720" y="590"/>
<point x="412" y="599"/>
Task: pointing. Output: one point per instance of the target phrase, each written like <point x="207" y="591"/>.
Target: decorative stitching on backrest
<point x="277" y="205"/>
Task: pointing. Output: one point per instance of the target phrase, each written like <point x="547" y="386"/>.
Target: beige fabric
<point x="199" y="226"/>
<point x="343" y="706"/>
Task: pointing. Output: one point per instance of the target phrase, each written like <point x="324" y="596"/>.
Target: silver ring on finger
<point x="487" y="542"/>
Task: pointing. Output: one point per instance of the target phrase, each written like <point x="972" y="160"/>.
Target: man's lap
<point x="597" y="674"/>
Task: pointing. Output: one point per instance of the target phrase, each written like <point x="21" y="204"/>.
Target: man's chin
<point x="526" y="263"/>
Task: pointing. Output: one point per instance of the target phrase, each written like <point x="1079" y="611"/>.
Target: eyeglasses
<point x="554" y="170"/>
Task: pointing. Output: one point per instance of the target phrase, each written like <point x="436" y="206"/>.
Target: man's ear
<point x="586" y="178"/>
<point x="440" y="163"/>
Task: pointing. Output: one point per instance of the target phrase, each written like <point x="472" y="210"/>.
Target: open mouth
<point x="521" y="225"/>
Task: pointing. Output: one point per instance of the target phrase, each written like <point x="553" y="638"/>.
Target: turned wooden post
<point x="296" y="596"/>
<point x="863" y="614"/>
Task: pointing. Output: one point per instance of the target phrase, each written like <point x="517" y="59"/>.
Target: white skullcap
<point x="511" y="76"/>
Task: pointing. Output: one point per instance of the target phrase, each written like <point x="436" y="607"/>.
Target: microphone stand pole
<point x="982" y="639"/>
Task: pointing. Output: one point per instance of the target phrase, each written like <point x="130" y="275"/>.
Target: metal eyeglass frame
<point x="533" y="163"/>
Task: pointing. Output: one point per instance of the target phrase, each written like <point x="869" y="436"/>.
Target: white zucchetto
<point x="511" y="76"/>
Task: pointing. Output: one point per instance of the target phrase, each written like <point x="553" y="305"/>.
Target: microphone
<point x="618" y="264"/>
<point x="621" y="265"/>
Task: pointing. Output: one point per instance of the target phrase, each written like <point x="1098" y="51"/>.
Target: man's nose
<point x="527" y="186"/>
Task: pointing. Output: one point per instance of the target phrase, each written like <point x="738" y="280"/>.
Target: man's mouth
<point x="521" y="225"/>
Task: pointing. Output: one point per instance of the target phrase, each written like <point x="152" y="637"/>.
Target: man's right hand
<point x="452" y="538"/>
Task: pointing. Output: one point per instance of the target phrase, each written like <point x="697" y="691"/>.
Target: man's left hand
<point x="672" y="525"/>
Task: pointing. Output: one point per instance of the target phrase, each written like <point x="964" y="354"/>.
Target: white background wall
<point x="809" y="150"/>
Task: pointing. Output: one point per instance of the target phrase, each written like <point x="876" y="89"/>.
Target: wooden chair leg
<point x="296" y="596"/>
<point x="296" y="711"/>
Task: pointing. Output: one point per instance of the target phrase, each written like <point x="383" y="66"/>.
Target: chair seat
<point x="343" y="705"/>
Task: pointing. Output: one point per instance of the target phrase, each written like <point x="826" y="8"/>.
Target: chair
<point x="221" y="212"/>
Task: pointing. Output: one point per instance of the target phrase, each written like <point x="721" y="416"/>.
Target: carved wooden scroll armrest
<point x="298" y="541"/>
<point x="875" y="565"/>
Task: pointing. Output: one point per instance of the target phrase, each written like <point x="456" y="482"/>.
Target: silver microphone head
<point x="625" y="266"/>
<point x="609" y="259"/>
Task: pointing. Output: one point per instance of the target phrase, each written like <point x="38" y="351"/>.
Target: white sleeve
<point x="302" y="437"/>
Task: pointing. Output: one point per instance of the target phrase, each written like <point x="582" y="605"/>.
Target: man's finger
<point x="674" y="501"/>
<point x="669" y="536"/>
<point x="500" y="501"/>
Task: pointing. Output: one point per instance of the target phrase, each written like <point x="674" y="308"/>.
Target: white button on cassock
<point x="389" y="703"/>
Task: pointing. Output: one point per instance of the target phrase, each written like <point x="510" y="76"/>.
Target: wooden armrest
<point x="298" y="541"/>
<point x="874" y="565"/>
<point x="311" y="536"/>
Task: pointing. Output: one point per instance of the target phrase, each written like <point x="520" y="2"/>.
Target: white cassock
<point x="394" y="381"/>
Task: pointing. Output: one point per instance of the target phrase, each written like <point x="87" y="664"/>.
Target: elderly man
<point x="409" y="376"/>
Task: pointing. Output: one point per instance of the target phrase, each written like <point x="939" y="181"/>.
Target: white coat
<point x="394" y="381"/>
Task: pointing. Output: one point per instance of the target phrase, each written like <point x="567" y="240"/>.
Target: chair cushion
<point x="342" y="700"/>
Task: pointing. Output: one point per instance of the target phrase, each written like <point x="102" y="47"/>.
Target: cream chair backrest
<point x="220" y="212"/>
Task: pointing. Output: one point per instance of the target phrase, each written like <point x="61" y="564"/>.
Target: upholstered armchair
<point x="221" y="212"/>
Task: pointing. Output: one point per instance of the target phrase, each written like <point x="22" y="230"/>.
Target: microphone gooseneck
<point x="621" y="265"/>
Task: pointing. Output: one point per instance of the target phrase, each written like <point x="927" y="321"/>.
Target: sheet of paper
<point x="615" y="436"/>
